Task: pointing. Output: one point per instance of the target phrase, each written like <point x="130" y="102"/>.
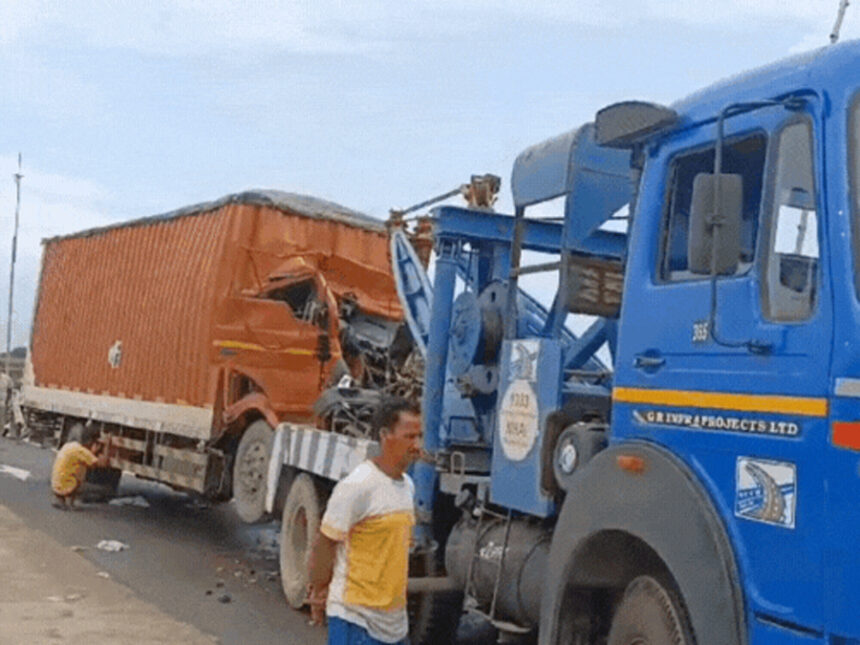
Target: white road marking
<point x="17" y="473"/>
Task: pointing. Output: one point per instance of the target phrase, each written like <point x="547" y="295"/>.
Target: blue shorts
<point x="342" y="632"/>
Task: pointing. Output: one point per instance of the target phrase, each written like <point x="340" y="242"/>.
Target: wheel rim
<point x="299" y="532"/>
<point x="648" y="615"/>
<point x="252" y="468"/>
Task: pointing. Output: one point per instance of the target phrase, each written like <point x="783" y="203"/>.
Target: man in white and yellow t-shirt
<point x="360" y="562"/>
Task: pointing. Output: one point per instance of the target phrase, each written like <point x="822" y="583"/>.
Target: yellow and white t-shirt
<point x="371" y="517"/>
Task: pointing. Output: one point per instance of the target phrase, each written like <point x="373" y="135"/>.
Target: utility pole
<point x="18" y="177"/>
<point x="840" y="14"/>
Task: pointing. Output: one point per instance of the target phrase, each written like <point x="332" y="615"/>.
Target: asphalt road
<point x="183" y="556"/>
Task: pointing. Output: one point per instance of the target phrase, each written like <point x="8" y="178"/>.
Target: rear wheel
<point x="250" y="471"/>
<point x="433" y="617"/>
<point x="299" y="527"/>
<point x="649" y="614"/>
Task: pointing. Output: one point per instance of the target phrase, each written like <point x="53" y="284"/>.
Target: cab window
<point x="744" y="156"/>
<point x="301" y="298"/>
<point x="790" y="280"/>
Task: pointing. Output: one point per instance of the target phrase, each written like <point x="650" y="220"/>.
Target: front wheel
<point x="300" y="524"/>
<point x="649" y="614"/>
<point x="250" y="471"/>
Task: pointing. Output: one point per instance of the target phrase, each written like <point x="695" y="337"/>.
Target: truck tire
<point x="299" y="526"/>
<point x="250" y="471"/>
<point x="433" y="617"/>
<point x="649" y="614"/>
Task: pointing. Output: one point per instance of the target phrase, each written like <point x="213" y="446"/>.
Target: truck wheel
<point x="433" y="617"/>
<point x="299" y="526"/>
<point x="649" y="615"/>
<point x="250" y="471"/>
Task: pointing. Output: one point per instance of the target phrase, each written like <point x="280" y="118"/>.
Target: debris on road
<point x="103" y="574"/>
<point x="17" y="473"/>
<point x="112" y="545"/>
<point x="224" y="598"/>
<point x="137" y="500"/>
<point x="77" y="548"/>
<point x="73" y="597"/>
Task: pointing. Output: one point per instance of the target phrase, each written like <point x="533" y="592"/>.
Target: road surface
<point x="198" y="563"/>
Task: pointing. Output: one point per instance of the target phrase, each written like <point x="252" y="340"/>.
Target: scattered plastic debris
<point x="225" y="598"/>
<point x="220" y="583"/>
<point x="77" y="548"/>
<point x="17" y="473"/>
<point x="103" y="574"/>
<point x="137" y="500"/>
<point x="55" y="598"/>
<point x="112" y="545"/>
<point x="73" y="597"/>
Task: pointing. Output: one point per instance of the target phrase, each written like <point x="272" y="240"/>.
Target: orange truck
<point x="186" y="338"/>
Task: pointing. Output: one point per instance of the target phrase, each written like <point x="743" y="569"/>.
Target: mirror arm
<point x="791" y="103"/>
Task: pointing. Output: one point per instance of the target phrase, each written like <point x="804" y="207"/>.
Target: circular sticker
<point x="518" y="420"/>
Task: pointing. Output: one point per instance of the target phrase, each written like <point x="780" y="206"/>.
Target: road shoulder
<point x="52" y="594"/>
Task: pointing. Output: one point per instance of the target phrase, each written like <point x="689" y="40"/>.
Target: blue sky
<point x="122" y="111"/>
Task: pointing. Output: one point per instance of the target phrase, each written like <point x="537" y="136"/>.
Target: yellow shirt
<point x="371" y="517"/>
<point x="70" y="468"/>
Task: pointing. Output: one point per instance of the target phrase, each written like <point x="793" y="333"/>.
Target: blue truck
<point x="701" y="486"/>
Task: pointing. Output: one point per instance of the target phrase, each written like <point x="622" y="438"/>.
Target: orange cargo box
<point x="210" y="304"/>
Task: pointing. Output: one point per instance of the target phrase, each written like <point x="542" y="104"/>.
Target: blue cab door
<point x="842" y="556"/>
<point x="747" y="414"/>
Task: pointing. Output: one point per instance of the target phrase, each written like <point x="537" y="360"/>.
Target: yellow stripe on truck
<point x="234" y="344"/>
<point x="770" y="403"/>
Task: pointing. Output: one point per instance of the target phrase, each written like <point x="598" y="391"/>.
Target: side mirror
<point x="720" y="235"/>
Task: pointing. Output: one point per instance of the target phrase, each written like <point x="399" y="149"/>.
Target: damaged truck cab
<point x="187" y="337"/>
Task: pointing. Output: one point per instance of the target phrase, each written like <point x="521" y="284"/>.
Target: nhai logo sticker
<point x="766" y="491"/>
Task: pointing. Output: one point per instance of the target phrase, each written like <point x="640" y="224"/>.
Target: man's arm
<point x="320" y="568"/>
<point x="104" y="453"/>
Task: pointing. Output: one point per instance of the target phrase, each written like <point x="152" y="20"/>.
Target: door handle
<point x="648" y="362"/>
